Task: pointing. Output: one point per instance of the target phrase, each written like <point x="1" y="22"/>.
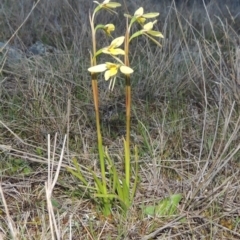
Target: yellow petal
<point x="109" y="27"/>
<point x="117" y="41"/>
<point x="109" y="73"/>
<point x="148" y="26"/>
<point x="105" y="50"/>
<point x="98" y="68"/>
<point x="113" y="71"/>
<point x="126" y="70"/>
<point x="155" y="34"/>
<point x="150" y="15"/>
<point x="139" y="12"/>
<point x="127" y="15"/>
<point x="108" y="4"/>
<point x="154" y="22"/>
<point x="141" y="20"/>
<point x="113" y="5"/>
<point x="116" y="51"/>
<point x="111" y="65"/>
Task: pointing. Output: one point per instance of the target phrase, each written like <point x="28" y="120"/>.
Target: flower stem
<point x="128" y="110"/>
<point x="96" y="106"/>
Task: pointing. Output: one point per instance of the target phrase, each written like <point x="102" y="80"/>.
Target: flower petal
<point x="156" y="34"/>
<point x="117" y="41"/>
<point x="126" y="70"/>
<point x="98" y="68"/>
<point x="150" y="15"/>
<point x="112" y="5"/>
<point x="110" y="27"/>
<point x="113" y="71"/>
<point x="109" y="73"/>
<point x="117" y="51"/>
<point x="139" y="12"/>
<point x="148" y="26"/>
<point x="141" y="20"/>
<point x="111" y="65"/>
<point x="127" y="15"/>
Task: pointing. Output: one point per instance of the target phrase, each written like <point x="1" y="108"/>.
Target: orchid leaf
<point x="165" y="207"/>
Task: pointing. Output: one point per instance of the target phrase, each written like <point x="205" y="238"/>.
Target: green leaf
<point x="136" y="173"/>
<point x="168" y="206"/>
<point x="77" y="173"/>
<point x="125" y="189"/>
<point x="136" y="34"/>
<point x="165" y="207"/>
<point x="98" y="52"/>
<point x="55" y="203"/>
<point x="149" y="210"/>
<point x="133" y="19"/>
<point x="119" y="190"/>
<point x="27" y="170"/>
<point x="99" y="184"/>
<point x="115" y="179"/>
<point x="99" y="26"/>
<point x="113" y="176"/>
<point x="39" y="151"/>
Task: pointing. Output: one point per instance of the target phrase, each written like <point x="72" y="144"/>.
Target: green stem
<point x="96" y="106"/>
<point x="99" y="135"/>
<point x="128" y="118"/>
<point x="128" y="111"/>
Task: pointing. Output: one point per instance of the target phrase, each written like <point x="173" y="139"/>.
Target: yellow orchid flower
<point x="108" y="28"/>
<point x="108" y="4"/>
<point x="111" y="70"/>
<point x="113" y="49"/>
<point x="147" y="28"/>
<point x="140" y="16"/>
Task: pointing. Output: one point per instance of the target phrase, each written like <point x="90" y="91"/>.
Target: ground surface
<point x="185" y="122"/>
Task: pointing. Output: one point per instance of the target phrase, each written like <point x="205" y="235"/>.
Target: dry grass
<point x="185" y="122"/>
